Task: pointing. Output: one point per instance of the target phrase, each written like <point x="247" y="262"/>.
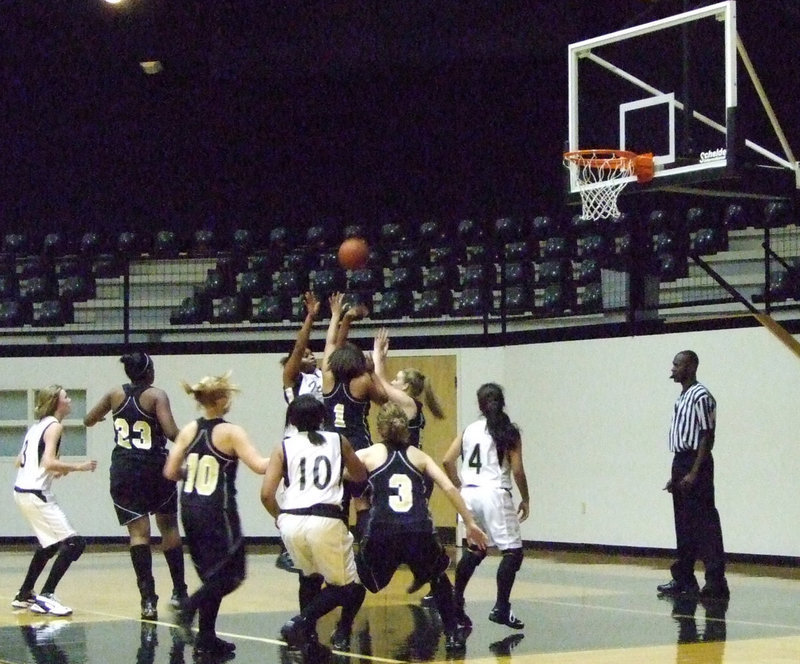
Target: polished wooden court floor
<point x="577" y="608"/>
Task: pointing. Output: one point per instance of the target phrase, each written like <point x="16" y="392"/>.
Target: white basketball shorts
<point x="321" y="545"/>
<point x="494" y="511"/>
<point x="49" y="523"/>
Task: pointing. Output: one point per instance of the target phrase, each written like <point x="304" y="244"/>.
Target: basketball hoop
<point x="603" y="174"/>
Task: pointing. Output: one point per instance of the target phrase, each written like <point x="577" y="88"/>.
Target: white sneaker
<point x="48" y="603"/>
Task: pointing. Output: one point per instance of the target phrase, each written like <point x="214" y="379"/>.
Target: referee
<point x="697" y="525"/>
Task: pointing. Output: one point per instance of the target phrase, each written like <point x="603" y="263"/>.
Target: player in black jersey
<point x="349" y="387"/>
<point x="206" y="456"/>
<point x="404" y="390"/>
<point x="399" y="527"/>
<point x="143" y="423"/>
<point x="408" y="389"/>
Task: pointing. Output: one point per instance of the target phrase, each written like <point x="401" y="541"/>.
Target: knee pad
<point x="73" y="547"/>
<point x="512" y="558"/>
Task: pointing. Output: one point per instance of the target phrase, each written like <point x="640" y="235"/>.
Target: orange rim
<point x="613" y="159"/>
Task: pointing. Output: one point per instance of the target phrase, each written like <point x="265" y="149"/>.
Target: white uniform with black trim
<point x="486" y="487"/>
<point x="32" y="489"/>
<point x="320" y="544"/>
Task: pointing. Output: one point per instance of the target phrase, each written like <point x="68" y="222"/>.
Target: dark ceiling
<point x="297" y="111"/>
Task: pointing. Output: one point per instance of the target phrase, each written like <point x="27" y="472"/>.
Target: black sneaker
<point x="340" y="639"/>
<point x="23" y="601"/>
<point x="506" y="618"/>
<point x="296" y="632"/>
<point x="455" y="641"/>
<point x="284" y="561"/>
<point x="178" y="598"/>
<point x="213" y="647"/>
<point x="675" y="588"/>
<point x="150" y="608"/>
<point x="428" y="601"/>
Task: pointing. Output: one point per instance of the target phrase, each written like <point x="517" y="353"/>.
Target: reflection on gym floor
<point x="576" y="608"/>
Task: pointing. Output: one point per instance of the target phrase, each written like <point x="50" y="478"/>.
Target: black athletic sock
<point x="207" y="617"/>
<point x="174" y="557"/>
<point x="60" y="566"/>
<point x="310" y="587"/>
<point x="445" y="604"/>
<point x="142" y="559"/>
<point x="354" y="594"/>
<point x="325" y="601"/>
<point x="506" y="574"/>
<point x="464" y="570"/>
<point x="39" y="560"/>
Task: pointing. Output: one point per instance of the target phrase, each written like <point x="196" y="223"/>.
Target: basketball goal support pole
<point x="764" y="319"/>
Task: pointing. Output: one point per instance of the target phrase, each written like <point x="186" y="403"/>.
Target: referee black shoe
<point x="675" y="588"/>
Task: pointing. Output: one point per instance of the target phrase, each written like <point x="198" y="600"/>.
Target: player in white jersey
<point x="491" y="452"/>
<point x="300" y="376"/>
<point x="313" y="524"/>
<point x="38" y="464"/>
<point x="300" y="372"/>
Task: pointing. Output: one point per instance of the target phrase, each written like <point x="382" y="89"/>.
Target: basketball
<point x="353" y="253"/>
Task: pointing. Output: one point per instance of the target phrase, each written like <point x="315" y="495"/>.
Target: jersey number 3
<point x="403" y="500"/>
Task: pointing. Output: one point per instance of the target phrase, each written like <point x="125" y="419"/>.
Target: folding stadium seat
<point x="254" y="283"/>
<point x="53" y="313"/>
<point x="591" y="299"/>
<point x="272" y="309"/>
<point x="394" y="303"/>
<point x="166" y="244"/>
<point x="15" y="313"/>
<point x="472" y="302"/>
<point x="405" y="277"/>
<point x="434" y="303"/>
<point x="233" y="309"/>
<point x="326" y="282"/>
<point x="78" y="288"/>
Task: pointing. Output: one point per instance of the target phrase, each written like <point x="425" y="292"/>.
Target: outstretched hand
<point x="336" y="302"/>
<point x="477" y="537"/>
<point x="312" y="303"/>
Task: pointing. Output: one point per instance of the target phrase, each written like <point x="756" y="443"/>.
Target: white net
<point x="601" y="176"/>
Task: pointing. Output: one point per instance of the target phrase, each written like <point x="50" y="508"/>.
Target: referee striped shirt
<point x="695" y="412"/>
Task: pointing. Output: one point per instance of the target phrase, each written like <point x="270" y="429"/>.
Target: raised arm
<point x="335" y="302"/>
<point x="292" y="367"/>
<point x="518" y="471"/>
<point x="352" y="313"/>
<point x="380" y="350"/>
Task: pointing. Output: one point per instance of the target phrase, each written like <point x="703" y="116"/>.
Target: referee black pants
<point x="698" y="531"/>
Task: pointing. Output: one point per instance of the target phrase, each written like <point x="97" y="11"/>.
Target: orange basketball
<point x="353" y="253"/>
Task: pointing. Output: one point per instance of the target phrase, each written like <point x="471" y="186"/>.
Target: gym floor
<point x="577" y="608"/>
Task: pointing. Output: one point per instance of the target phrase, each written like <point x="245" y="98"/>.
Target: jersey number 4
<point x="474" y="460"/>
